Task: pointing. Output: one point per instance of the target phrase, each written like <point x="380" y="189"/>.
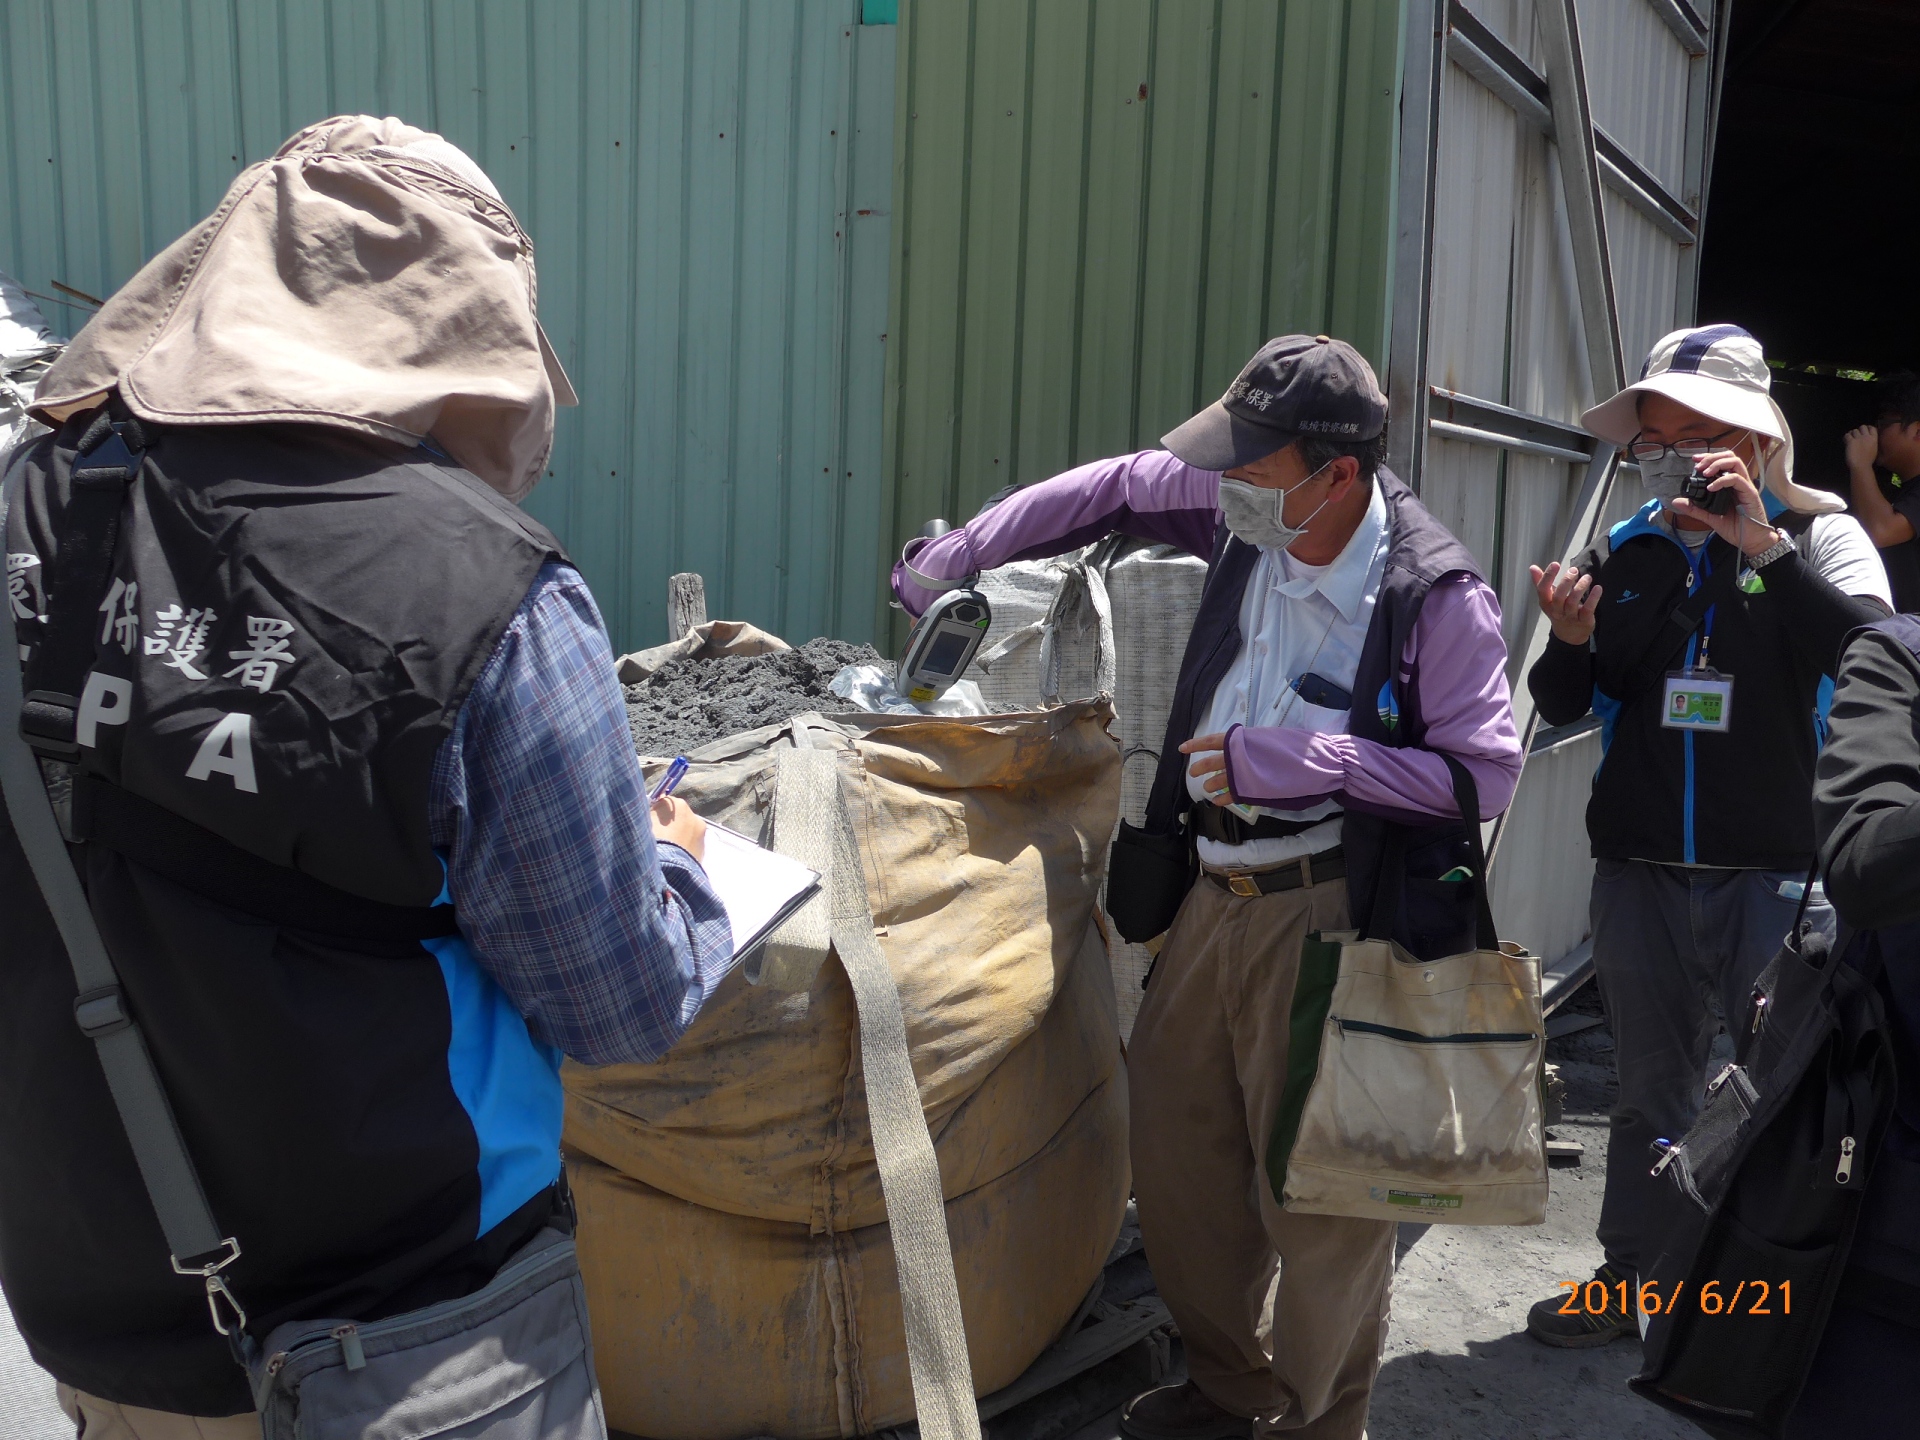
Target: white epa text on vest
<point x="227" y="749"/>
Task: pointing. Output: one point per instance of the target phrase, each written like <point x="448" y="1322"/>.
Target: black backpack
<point x="1768" y="1187"/>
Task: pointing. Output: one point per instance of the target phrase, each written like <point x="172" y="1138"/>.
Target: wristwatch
<point x="1772" y="553"/>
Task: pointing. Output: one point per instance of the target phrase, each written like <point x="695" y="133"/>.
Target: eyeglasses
<point x="1642" y="452"/>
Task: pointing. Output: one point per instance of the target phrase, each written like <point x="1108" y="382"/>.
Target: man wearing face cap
<point x="1344" y="644"/>
<point x="333" y="732"/>
<point x="1705" y="643"/>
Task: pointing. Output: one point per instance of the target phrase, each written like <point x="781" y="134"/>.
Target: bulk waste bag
<point x="733" y="1234"/>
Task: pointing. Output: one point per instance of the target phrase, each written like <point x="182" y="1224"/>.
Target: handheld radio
<point x="945" y="639"/>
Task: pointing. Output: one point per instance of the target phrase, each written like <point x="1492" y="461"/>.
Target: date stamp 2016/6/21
<point x="1748" y="1297"/>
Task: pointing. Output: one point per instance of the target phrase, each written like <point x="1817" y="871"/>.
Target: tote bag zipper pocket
<point x="1471" y="1037"/>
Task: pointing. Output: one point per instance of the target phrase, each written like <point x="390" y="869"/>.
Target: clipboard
<point x="759" y="887"/>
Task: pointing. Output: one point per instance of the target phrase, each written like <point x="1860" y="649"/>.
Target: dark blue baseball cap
<point x="1297" y="385"/>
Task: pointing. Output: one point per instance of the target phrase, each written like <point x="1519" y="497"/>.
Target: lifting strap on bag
<point x="937" y="1359"/>
<point x="99" y="1008"/>
<point x="805" y="787"/>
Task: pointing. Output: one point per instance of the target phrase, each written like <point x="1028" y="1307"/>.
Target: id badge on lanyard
<point x="1698" y="697"/>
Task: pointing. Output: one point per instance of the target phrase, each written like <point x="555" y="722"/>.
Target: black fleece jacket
<point x="1866" y="800"/>
<point x="1738" y="799"/>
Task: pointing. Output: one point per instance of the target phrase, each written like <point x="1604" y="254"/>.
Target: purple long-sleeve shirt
<point x="1456" y="653"/>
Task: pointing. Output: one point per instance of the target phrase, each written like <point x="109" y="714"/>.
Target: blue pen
<point x="676" y="772"/>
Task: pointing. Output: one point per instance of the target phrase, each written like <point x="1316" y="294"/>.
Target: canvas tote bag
<point x="1413" y="1086"/>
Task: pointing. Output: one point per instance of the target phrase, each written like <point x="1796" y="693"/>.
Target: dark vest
<point x="292" y="619"/>
<point x="1386" y="699"/>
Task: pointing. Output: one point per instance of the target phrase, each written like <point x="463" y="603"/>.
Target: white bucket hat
<point x="1720" y="371"/>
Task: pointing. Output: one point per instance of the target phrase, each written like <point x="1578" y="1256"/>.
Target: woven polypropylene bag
<point x="983" y="843"/>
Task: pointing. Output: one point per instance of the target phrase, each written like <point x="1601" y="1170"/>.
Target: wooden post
<point x="686" y="604"/>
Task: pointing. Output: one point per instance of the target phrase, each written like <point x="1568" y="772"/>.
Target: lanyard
<point x="1700" y="573"/>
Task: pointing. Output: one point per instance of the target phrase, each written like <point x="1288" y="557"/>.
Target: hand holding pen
<point x="674" y="820"/>
<point x="670" y="782"/>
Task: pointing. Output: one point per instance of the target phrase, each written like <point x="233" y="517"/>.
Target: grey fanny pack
<point x="511" y="1362"/>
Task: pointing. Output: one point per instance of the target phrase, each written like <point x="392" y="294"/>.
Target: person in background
<point x="1866" y="803"/>
<point x="1299" y="733"/>
<point x="406" y="857"/>
<point x="1701" y="818"/>
<point x="1891" y="514"/>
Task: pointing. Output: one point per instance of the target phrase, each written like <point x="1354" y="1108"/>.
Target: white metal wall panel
<point x="1646" y="278"/>
<point x="1540" y="888"/>
<point x="1460" y="485"/>
<point x="1476" y="196"/>
<point x="1534" y="495"/>
<point x="1476" y="191"/>
<point x="1637" y="80"/>
<point x="1548" y="376"/>
<point x="1514" y="22"/>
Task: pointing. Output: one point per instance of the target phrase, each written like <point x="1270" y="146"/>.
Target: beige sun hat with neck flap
<point x="366" y="277"/>
<point x="1720" y="371"/>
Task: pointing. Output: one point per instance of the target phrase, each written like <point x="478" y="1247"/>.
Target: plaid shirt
<point x="607" y="943"/>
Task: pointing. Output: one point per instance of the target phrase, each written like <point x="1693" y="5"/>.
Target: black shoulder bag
<point x="1769" y="1185"/>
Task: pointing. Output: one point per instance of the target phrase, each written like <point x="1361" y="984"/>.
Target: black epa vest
<point x="1386" y="707"/>
<point x="291" y="619"/>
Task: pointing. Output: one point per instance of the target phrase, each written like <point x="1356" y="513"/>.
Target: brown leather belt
<point x="1301" y="874"/>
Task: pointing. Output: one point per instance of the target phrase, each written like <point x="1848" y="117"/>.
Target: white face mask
<point x="1668" y="476"/>
<point x="1253" y="512"/>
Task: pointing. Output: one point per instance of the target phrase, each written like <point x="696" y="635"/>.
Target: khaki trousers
<point x="1296" y="1350"/>
<point x="97" y="1419"/>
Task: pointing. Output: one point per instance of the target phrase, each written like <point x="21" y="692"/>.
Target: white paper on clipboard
<point x="759" y="887"/>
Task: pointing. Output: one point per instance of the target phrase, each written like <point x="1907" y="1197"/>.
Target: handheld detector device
<point x="945" y="639"/>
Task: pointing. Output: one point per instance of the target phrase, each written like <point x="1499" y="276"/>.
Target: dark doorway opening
<point x="1812" y="229"/>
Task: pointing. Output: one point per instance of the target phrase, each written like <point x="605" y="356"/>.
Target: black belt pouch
<point x="1148" y="875"/>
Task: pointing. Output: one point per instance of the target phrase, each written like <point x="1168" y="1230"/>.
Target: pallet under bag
<point x="1413" y="1086"/>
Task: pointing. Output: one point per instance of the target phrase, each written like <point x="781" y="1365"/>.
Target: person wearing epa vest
<point x="1345" y="647"/>
<point x="1704" y="643"/>
<point x="333" y="731"/>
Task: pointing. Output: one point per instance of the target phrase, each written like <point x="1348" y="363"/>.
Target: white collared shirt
<point x="1296" y="619"/>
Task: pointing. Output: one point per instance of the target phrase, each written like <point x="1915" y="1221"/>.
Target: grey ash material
<point x="691" y="703"/>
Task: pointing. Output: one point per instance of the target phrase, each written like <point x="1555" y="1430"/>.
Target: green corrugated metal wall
<point x="706" y="184"/>
<point x="1105" y="205"/>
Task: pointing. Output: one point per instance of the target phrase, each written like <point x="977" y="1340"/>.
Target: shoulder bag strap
<point x="1391" y="879"/>
<point x="1466" y="795"/>
<point x="110" y="456"/>
<point x="100" y="1010"/>
<point x="1685" y="618"/>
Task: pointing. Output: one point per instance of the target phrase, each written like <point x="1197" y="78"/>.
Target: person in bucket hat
<point x="361" y="890"/>
<point x="1705" y="642"/>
